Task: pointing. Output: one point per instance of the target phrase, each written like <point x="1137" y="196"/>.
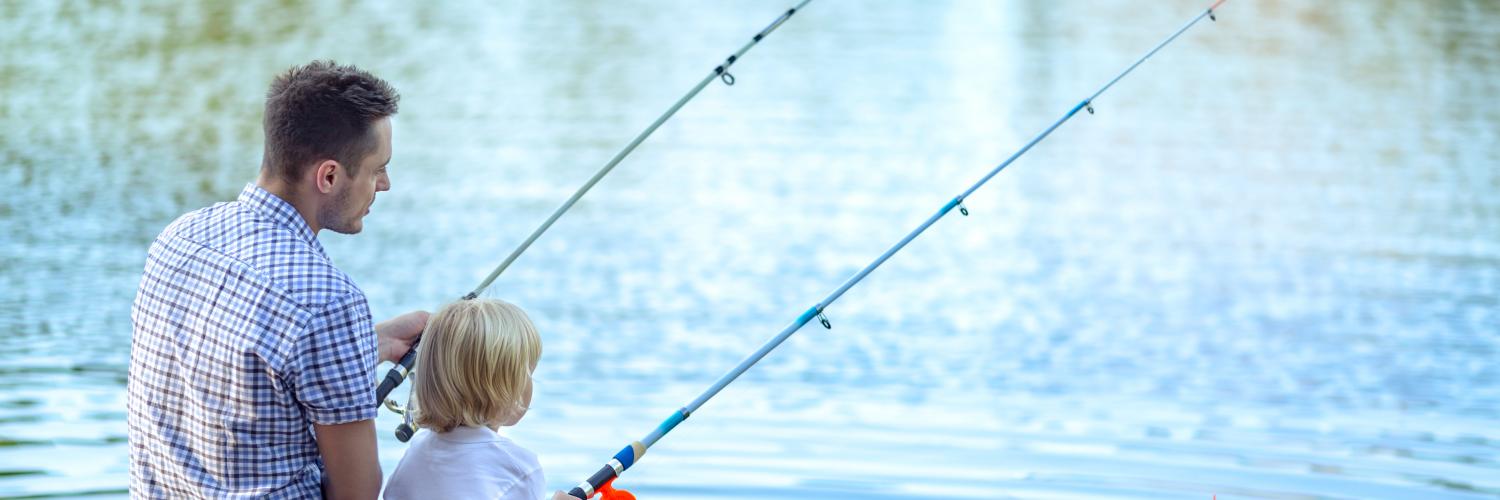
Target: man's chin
<point x="351" y="228"/>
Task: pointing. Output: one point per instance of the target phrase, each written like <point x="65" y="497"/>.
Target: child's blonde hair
<point x="474" y="364"/>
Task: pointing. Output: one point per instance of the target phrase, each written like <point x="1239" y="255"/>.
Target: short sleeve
<point x="334" y="362"/>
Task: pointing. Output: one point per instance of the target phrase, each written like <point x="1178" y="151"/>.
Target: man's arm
<point x="351" y="465"/>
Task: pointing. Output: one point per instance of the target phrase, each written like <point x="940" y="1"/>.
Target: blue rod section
<point x="626" y="456"/>
<point x="817" y="310"/>
<point x="666" y="426"/>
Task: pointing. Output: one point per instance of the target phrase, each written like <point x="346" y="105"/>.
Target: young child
<point x="474" y="376"/>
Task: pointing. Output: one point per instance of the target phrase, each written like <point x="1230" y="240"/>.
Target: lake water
<point x="1269" y="267"/>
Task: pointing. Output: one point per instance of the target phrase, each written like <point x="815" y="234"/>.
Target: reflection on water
<point x="1269" y="267"/>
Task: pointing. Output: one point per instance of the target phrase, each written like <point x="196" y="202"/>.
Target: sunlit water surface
<point x="1269" y="267"/>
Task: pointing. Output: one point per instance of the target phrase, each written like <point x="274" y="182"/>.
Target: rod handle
<point x="397" y="375"/>
<point x="594" y="483"/>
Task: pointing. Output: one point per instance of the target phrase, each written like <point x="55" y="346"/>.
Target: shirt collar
<point x="470" y="434"/>
<point x="280" y="212"/>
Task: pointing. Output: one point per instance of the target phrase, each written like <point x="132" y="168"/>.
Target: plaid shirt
<point x="244" y="335"/>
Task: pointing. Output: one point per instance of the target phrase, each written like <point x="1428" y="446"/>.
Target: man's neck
<point x="288" y="193"/>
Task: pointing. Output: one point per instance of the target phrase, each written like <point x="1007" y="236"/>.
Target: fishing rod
<point x="403" y="368"/>
<point x="602" y="481"/>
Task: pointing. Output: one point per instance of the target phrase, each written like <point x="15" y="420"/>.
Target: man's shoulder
<point x="244" y="239"/>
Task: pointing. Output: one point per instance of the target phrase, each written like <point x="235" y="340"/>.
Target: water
<point x="1269" y="267"/>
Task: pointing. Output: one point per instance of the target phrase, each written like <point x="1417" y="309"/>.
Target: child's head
<point x="474" y="365"/>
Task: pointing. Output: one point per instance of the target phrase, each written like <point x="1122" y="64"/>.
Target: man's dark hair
<point x="323" y="111"/>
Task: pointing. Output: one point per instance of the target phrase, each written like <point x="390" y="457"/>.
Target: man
<point x="252" y="357"/>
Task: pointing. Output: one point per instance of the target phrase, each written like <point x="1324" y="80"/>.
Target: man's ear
<point x="326" y="173"/>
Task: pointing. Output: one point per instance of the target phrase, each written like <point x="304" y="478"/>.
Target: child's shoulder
<point x="517" y="454"/>
<point x="487" y="444"/>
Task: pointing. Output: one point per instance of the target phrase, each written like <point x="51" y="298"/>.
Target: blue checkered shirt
<point x="244" y="335"/>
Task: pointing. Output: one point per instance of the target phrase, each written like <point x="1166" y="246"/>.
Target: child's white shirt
<point x="466" y="462"/>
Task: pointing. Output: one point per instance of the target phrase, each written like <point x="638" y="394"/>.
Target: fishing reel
<point x="393" y="378"/>
<point x="407" y="428"/>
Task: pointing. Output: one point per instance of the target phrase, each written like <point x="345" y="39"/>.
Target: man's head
<point x="328" y="140"/>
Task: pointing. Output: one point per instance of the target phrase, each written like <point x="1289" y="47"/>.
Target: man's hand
<point x="559" y="495"/>
<point x="396" y="335"/>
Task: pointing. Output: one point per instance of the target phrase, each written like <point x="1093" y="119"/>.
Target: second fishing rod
<point x="601" y="482"/>
<point x="721" y="72"/>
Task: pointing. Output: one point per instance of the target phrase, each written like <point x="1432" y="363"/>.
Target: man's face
<point x="350" y="204"/>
